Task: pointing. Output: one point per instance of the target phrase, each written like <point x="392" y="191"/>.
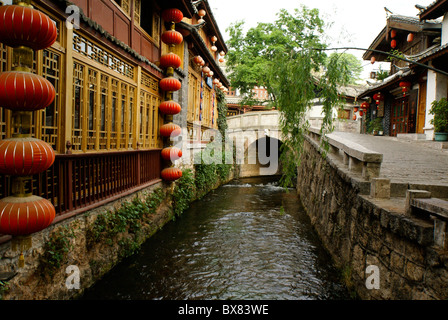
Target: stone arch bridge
<point x="257" y="138"/>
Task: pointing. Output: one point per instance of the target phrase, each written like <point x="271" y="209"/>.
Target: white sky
<point x="356" y="23"/>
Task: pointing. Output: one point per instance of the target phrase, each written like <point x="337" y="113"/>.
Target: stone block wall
<point x="361" y="234"/>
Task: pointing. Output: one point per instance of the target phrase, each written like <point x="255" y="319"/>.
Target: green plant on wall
<point x="56" y="249"/>
<point x="184" y="192"/>
<point x="440" y="111"/>
<point x="127" y="218"/>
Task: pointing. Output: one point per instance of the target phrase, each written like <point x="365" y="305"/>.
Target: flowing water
<point x="248" y="240"/>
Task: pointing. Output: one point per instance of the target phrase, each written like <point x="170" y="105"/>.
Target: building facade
<point x="104" y="123"/>
<point x="399" y="101"/>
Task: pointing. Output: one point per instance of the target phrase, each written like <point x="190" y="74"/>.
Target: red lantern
<point x="355" y="109"/>
<point x="361" y="113"/>
<point x="25" y="91"/>
<point x="170" y="107"/>
<point x="25" y="156"/>
<point x="197" y="60"/>
<point x="170" y="84"/>
<point x="21" y="216"/>
<point x="172" y="15"/>
<point x="172" y="37"/>
<point x="171" y="174"/>
<point x="372" y="60"/>
<point x="393" y="33"/>
<point x="393" y="44"/>
<point x="410" y="37"/>
<point x="171" y="154"/>
<point x="170" y="130"/>
<point x="354" y="117"/>
<point x="365" y="105"/>
<point x="405" y="87"/>
<point x="170" y="60"/>
<point x="25" y="26"/>
<point x="221" y="60"/>
<point x="378" y="98"/>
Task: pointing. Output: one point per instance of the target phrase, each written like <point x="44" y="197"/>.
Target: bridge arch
<point x="257" y="138"/>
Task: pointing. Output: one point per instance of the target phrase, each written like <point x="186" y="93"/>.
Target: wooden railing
<point x="78" y="182"/>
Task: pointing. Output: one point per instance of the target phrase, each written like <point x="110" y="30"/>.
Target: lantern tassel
<point x="21" y="260"/>
<point x="21" y="244"/>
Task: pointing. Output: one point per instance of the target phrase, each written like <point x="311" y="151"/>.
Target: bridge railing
<point x="358" y="158"/>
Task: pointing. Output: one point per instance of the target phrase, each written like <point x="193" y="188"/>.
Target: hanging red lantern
<point x="197" y="60"/>
<point x="365" y="105"/>
<point x="172" y="37"/>
<point x="378" y="97"/>
<point x="172" y="15"/>
<point x="361" y="113"/>
<point x="410" y="37"/>
<point x="354" y="117"/>
<point x="25" y="91"/>
<point x="171" y="154"/>
<point x="221" y="60"/>
<point x="21" y="216"/>
<point x="372" y="60"/>
<point x="170" y="130"/>
<point x="393" y="33"/>
<point x="171" y="174"/>
<point x="25" y="26"/>
<point x="170" y="107"/>
<point x="206" y="70"/>
<point x="25" y="156"/>
<point x="393" y="44"/>
<point x="170" y="84"/>
<point x="405" y="86"/>
<point x="170" y="60"/>
<point x="355" y="109"/>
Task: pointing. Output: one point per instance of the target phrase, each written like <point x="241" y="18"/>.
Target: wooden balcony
<point x="80" y="182"/>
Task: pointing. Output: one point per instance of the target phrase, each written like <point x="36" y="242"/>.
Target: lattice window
<point x="149" y="119"/>
<point x="51" y="70"/>
<point x="78" y="103"/>
<point x="151" y="83"/>
<point x="194" y="87"/>
<point x="125" y="5"/>
<point x="90" y="50"/>
<point x="91" y="108"/>
<point x="104" y="111"/>
<point x="130" y="117"/>
<point x="114" y="114"/>
<point x="138" y="11"/>
<point x="124" y="112"/>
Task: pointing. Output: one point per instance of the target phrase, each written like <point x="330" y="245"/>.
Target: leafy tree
<point x="287" y="57"/>
<point x="354" y="65"/>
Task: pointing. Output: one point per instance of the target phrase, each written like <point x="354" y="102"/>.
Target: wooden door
<point x="400" y="116"/>
<point x="421" y="112"/>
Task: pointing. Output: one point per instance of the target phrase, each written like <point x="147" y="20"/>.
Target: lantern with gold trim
<point x="23" y="214"/>
<point x="169" y="85"/>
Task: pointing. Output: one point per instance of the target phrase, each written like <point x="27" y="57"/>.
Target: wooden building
<point x="104" y="122"/>
<point x="402" y="110"/>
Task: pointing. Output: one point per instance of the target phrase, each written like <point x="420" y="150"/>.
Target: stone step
<point x="435" y="206"/>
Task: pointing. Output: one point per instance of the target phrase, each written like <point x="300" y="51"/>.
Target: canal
<point x="247" y="240"/>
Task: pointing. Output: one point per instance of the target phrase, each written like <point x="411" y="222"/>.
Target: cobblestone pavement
<point x="405" y="162"/>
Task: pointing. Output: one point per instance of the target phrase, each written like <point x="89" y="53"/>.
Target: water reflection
<point x="249" y="240"/>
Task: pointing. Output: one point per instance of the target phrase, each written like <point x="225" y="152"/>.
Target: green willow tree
<point x="287" y="58"/>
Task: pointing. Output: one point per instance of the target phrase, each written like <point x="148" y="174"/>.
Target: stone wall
<point x="38" y="282"/>
<point x="362" y="232"/>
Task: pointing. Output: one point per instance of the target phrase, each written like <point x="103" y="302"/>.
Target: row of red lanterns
<point x="200" y="62"/>
<point x="393" y="42"/>
<point x="25" y="29"/>
<point x="170" y="84"/>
